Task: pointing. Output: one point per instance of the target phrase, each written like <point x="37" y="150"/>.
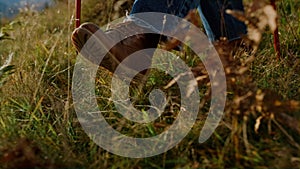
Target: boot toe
<point x="90" y="27"/>
<point x="79" y="37"/>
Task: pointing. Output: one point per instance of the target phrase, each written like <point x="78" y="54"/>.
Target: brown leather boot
<point x="125" y="46"/>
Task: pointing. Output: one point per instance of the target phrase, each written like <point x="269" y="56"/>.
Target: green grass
<point x="281" y="76"/>
<point x="38" y="122"/>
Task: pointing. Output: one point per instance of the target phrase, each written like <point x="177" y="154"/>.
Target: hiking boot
<point x="114" y="45"/>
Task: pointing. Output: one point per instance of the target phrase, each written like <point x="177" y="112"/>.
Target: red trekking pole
<point x="78" y="13"/>
<point x="276" y="35"/>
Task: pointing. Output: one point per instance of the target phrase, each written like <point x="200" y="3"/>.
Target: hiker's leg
<point x="214" y="18"/>
<point x="179" y="8"/>
<point x="219" y="24"/>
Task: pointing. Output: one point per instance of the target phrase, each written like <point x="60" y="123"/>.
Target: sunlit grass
<point x="36" y="101"/>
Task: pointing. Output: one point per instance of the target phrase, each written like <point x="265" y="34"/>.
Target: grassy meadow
<point x="39" y="127"/>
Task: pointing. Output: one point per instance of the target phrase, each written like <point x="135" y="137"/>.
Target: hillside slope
<point x="39" y="127"/>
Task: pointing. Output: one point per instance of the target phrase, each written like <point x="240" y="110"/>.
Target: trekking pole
<point x="276" y="35"/>
<point x="78" y="13"/>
